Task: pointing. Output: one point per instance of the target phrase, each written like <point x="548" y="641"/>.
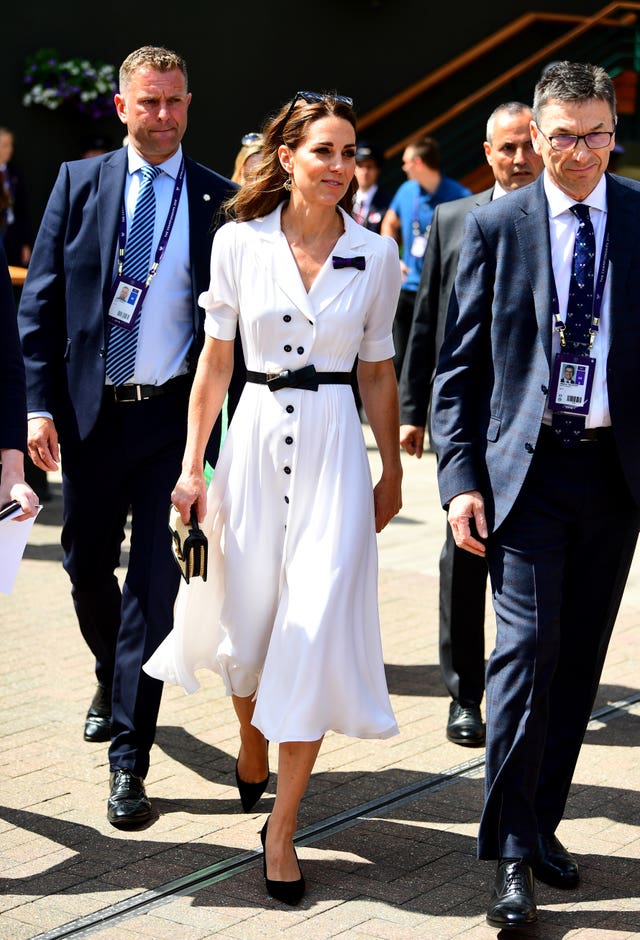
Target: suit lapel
<point x="110" y="189"/>
<point x="532" y="230"/>
<point x="331" y="281"/>
<point x="622" y="214"/>
<point x="484" y="197"/>
<point x="283" y="268"/>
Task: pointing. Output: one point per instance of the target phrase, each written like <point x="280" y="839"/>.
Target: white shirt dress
<point x="289" y="611"/>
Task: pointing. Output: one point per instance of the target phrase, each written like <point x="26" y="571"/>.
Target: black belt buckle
<point x="299" y="378"/>
<point x="129" y="393"/>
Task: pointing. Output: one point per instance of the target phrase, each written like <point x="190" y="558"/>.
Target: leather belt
<point x="596" y="434"/>
<point x="306" y="378"/>
<point x="588" y="436"/>
<point x="127" y="393"/>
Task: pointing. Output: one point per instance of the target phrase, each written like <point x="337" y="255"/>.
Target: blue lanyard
<point x="415" y="214"/>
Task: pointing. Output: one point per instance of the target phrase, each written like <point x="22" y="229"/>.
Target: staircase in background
<point x="505" y="67"/>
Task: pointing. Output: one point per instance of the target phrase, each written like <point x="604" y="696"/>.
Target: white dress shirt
<point x="362" y="201"/>
<point x="562" y="228"/>
<point x="166" y="327"/>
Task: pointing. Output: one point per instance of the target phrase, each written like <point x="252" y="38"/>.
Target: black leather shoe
<point x="289" y="892"/>
<point x="512" y="905"/>
<point x="465" y="725"/>
<point x="553" y="864"/>
<point x="128" y="806"/>
<point x="97" y="725"/>
<point x="250" y="793"/>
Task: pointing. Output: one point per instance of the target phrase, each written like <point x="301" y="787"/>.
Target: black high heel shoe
<point x="250" y="793"/>
<point x="289" y="892"/>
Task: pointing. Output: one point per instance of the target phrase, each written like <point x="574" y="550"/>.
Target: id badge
<point x="418" y="246"/>
<point x="571" y="383"/>
<point x="126" y="302"/>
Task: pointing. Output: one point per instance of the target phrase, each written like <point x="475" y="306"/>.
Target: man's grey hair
<point x="512" y="108"/>
<point x="573" y="81"/>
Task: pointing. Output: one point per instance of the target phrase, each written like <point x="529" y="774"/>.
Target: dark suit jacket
<point x="493" y="373"/>
<point x="432" y="302"/>
<point x="379" y="205"/>
<point x="63" y="308"/>
<point x="13" y="411"/>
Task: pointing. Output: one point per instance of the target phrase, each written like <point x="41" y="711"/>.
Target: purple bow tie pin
<point x="357" y="262"/>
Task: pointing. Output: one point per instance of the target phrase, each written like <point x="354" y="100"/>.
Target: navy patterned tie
<point x="579" y="313"/>
<point x="121" y="351"/>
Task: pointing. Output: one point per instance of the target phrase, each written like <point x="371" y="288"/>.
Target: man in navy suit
<point x="463" y="577"/>
<point x="548" y="494"/>
<point x="121" y="441"/>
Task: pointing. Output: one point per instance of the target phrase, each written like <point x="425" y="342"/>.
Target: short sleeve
<point x="377" y="342"/>
<point x="220" y="301"/>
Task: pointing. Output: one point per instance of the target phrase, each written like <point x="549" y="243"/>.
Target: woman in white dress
<point x="289" y="614"/>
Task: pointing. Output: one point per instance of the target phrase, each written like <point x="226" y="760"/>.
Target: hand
<point x="42" y="442"/>
<point x="462" y="509"/>
<point x="190" y="490"/>
<point x="27" y="499"/>
<point x="412" y="439"/>
<point x="404" y="270"/>
<point x="387" y="499"/>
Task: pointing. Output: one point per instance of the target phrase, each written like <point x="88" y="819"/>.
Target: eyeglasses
<point x="596" y="140"/>
<point x="312" y="97"/>
<point x="252" y="138"/>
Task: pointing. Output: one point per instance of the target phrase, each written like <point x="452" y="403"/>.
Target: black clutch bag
<point x="189" y="544"/>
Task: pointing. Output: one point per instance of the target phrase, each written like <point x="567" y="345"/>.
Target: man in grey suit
<point x="463" y="577"/>
<point x="547" y="489"/>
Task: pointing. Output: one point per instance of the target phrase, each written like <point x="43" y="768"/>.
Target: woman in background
<point x="248" y="158"/>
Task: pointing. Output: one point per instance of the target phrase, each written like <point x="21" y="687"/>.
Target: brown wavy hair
<point x="260" y="195"/>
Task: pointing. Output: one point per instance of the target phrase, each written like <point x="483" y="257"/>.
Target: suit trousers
<point x="402" y="327"/>
<point x="129" y="463"/>
<point x="463" y="589"/>
<point x="558" y="567"/>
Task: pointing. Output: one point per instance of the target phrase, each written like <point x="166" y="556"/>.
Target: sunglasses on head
<point x="252" y="138"/>
<point x="312" y="97"/>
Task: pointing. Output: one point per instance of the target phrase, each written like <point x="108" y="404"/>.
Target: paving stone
<point x="405" y="871"/>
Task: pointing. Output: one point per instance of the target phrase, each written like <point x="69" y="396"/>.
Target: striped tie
<point x="121" y="351"/>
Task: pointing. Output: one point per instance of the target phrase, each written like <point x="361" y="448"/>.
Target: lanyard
<point x="415" y="214"/>
<point x="166" y="232"/>
<point x="559" y="325"/>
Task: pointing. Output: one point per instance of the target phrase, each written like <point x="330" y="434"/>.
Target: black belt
<point x="588" y="436"/>
<point x="306" y="378"/>
<point x="120" y="393"/>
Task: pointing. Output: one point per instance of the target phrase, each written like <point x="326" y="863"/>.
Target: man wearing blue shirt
<point x="408" y="220"/>
<point x="122" y="428"/>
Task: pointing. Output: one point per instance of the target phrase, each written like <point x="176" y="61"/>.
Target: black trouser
<point x="558" y="567"/>
<point x="130" y="462"/>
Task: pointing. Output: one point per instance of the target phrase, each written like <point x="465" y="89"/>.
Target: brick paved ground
<point x="408" y="870"/>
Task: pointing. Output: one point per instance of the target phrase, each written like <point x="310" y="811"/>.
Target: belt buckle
<point x="118" y="396"/>
<point x="276" y="380"/>
<point x="136" y="393"/>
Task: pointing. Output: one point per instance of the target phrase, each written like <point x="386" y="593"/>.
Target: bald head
<point x="508" y="146"/>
